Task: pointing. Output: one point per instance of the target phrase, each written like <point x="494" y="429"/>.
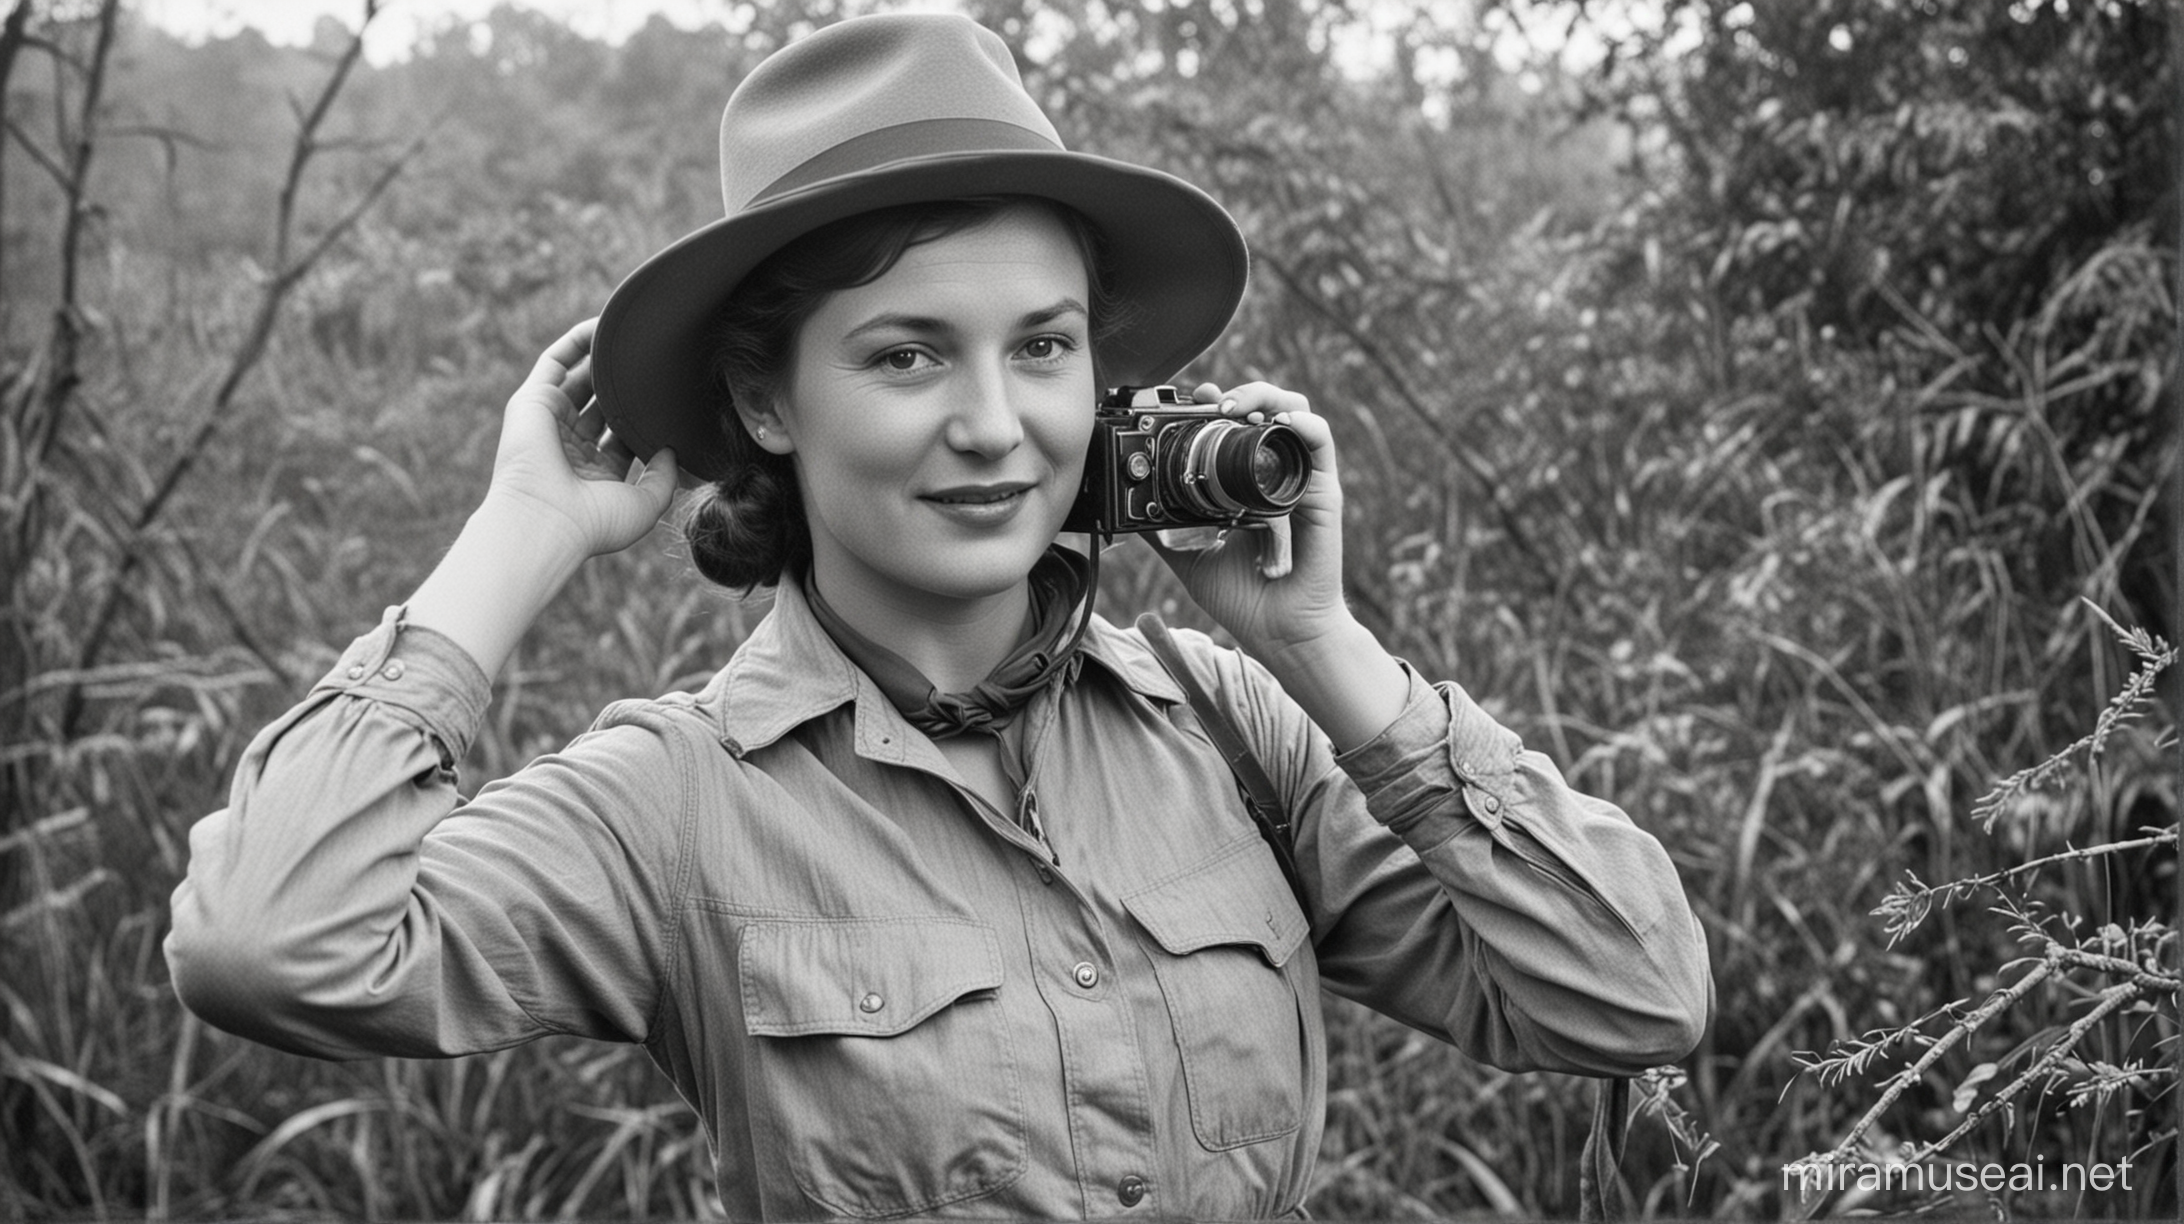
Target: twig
<point x="1901" y="1082"/>
<point x="2156" y="656"/>
<point x="38" y="154"/>
<point x="2111" y="999"/>
<point x="1909" y="904"/>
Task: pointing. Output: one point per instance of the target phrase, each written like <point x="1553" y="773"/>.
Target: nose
<point x="985" y="422"/>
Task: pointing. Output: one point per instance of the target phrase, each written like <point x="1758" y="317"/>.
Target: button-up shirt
<point x="885" y="996"/>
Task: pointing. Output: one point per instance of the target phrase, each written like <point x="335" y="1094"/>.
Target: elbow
<point x="221" y="971"/>
<point x="230" y="973"/>
<point x="1668" y="1035"/>
<point x="1666" y="1016"/>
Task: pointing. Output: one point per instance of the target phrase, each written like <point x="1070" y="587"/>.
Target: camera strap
<point x="1261" y="800"/>
<point x="1599" y="1194"/>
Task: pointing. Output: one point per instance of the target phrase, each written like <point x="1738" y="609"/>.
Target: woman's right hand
<point x="559" y="467"/>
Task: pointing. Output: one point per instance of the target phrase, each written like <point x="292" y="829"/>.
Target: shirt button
<point x="1491" y="804"/>
<point x="871" y="1003"/>
<point x="1130" y="1191"/>
<point x="393" y="669"/>
<point x="1086" y="975"/>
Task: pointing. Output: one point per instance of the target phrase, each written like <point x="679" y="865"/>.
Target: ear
<point x="765" y="427"/>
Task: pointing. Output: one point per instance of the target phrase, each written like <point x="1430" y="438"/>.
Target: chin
<point x="988" y="568"/>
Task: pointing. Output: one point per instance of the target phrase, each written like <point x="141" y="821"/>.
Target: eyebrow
<point x="927" y="323"/>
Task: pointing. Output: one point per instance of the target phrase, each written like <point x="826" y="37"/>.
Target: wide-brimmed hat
<point x="895" y="109"/>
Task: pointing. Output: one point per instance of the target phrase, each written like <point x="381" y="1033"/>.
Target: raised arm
<point x="1457" y="882"/>
<point x="347" y="902"/>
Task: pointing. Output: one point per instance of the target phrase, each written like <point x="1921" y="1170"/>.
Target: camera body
<point x="1159" y="461"/>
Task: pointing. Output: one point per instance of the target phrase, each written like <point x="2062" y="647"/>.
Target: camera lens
<point x="1231" y="469"/>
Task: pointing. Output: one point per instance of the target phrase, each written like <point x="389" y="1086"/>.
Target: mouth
<point x="979" y="495"/>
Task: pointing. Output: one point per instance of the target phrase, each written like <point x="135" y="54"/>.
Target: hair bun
<point x="747" y="528"/>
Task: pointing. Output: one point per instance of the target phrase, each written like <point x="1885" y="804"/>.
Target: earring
<point x="762" y="433"/>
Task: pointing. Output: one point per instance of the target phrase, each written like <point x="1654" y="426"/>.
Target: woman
<point x="936" y="900"/>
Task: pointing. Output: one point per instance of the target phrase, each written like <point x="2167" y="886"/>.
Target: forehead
<point x="1022" y="258"/>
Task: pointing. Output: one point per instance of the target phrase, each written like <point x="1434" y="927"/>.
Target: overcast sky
<point x="291" y="21"/>
<point x="1362" y="47"/>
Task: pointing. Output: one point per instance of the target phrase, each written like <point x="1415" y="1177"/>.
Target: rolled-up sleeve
<point x="1461" y="885"/>
<point x="347" y="902"/>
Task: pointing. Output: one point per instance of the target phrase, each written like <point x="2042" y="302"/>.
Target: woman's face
<point x="939" y="415"/>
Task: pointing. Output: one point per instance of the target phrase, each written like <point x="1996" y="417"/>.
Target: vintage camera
<point x="1159" y="461"/>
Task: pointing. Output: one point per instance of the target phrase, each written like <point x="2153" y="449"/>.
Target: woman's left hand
<point x="1271" y="615"/>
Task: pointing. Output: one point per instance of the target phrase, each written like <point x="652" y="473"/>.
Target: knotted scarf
<point x="1060" y="581"/>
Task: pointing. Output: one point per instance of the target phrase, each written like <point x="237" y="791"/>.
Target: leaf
<point x="1969" y="1090"/>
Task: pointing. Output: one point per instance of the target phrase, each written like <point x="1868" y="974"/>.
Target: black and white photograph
<point x="1197" y="610"/>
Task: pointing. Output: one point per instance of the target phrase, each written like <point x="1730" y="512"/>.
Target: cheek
<point x="842" y="441"/>
<point x="1063" y="426"/>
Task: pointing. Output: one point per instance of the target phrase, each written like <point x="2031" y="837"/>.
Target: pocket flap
<point x="1236" y="896"/>
<point x="869" y="977"/>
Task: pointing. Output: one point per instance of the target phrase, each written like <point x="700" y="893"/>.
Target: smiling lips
<point x="977" y="495"/>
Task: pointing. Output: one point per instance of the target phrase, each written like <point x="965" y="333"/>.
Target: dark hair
<point x="747" y="529"/>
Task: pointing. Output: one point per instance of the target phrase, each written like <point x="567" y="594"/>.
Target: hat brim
<point x="1177" y="260"/>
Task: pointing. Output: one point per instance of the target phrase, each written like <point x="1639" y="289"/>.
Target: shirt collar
<point x="789" y="672"/>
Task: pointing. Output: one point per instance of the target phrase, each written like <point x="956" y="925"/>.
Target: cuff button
<point x="393" y="669"/>
<point x="357" y="672"/>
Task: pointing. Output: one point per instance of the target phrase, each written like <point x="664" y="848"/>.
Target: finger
<point x="1259" y="401"/>
<point x="617" y="454"/>
<point x="591" y="424"/>
<point x="1275" y="558"/>
<point x="1206" y="393"/>
<point x="656" y="479"/>
<point x="577" y="385"/>
<point x="553" y="365"/>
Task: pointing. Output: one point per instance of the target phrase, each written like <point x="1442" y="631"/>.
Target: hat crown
<point x="841" y="89"/>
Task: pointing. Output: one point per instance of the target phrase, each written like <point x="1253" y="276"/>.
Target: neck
<point x="956" y="642"/>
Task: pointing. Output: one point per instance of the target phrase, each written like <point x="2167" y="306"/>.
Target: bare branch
<point x="46" y="161"/>
<point x="2111" y="999"/>
<point x="306" y="145"/>
<point x="347" y="221"/>
<point x="287" y="273"/>
<point x="1907" y="905"/>
<point x="1901" y="1082"/>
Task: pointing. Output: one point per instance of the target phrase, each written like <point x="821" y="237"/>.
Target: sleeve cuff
<point x="422" y="674"/>
<point x="1441" y="747"/>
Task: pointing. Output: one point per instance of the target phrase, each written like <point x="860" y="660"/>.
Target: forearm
<point x="504" y="568"/>
<point x="282" y="926"/>
<point x="1576" y="946"/>
<point x="1345" y="681"/>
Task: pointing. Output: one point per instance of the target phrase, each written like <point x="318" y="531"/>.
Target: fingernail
<point x="1281" y="418"/>
<point x="1256" y="418"/>
<point x="1228" y="405"/>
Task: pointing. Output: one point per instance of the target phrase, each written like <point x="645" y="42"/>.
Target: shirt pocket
<point x="881" y="1060"/>
<point x="1228" y="931"/>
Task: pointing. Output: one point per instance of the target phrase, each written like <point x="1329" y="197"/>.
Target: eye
<point x="1048" y="348"/>
<point x="903" y="360"/>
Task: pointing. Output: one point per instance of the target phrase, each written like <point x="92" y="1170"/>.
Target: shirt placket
<point x="1081" y="980"/>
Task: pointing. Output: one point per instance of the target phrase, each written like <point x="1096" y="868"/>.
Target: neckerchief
<point x="1059" y="583"/>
